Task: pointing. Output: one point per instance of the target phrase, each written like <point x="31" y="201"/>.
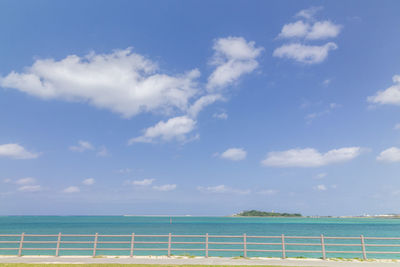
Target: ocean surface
<point x="188" y="225"/>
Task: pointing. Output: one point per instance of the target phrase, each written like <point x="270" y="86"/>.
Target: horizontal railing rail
<point x="322" y="245"/>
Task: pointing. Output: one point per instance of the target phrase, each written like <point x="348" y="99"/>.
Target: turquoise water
<point x="348" y="227"/>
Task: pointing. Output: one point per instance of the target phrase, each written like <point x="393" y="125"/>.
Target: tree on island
<point x="257" y="213"/>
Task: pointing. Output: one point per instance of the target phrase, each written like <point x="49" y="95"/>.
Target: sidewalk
<point x="176" y="260"/>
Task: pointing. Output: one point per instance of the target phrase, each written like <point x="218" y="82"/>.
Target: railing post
<point x="323" y="247"/>
<point x="169" y="245"/>
<point x="21" y="244"/>
<point x="58" y="244"/>
<point x="132" y="244"/>
<point x="244" y="246"/>
<point x="207" y="245"/>
<point x="95" y="244"/>
<point x="363" y="247"/>
<point x="283" y="247"/>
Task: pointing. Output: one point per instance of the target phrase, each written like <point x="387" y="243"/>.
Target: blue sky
<point x="203" y="108"/>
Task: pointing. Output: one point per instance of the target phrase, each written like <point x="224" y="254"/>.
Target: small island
<point x="257" y="213"/>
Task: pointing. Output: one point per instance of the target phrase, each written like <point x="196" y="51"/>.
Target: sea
<point x="192" y="225"/>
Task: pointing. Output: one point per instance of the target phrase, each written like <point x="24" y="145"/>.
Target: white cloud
<point x="334" y="105"/>
<point x="221" y="116"/>
<point x="326" y="82"/>
<point x="214" y="189"/>
<point x="128" y="83"/>
<point x="307" y="31"/>
<point x="26" y="181"/>
<point x="124" y="171"/>
<point x="397" y="126"/>
<point x="71" y="189"/>
<point x="30" y="188"/>
<point x="323" y="30"/>
<point x="174" y="128"/>
<point x="390" y="96"/>
<point x="144" y="182"/>
<point x="321" y="175"/>
<point x="27" y="184"/>
<point x="268" y="192"/>
<point x="234" y="154"/>
<point x="102" y="152"/>
<point x="316" y="31"/>
<point x="310" y="157"/>
<point x="7" y="180"/>
<point x="233" y="57"/>
<point x="222" y="189"/>
<point x="202" y="102"/>
<point x="310" y="117"/>
<point x="391" y="154"/>
<point x="88" y="181"/>
<point x="16" y="151"/>
<point x="293" y="30"/>
<point x="308" y="13"/>
<point x="82" y="146"/>
<point x="309" y="54"/>
<point x="122" y="81"/>
<point x="166" y="187"/>
<point x="320" y="187"/>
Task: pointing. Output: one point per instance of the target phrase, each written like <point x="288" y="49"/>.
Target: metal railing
<point x="322" y="245"/>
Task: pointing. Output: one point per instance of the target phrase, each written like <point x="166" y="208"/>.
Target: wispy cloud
<point x="72" y="189"/>
<point x="326" y="82"/>
<point x="308" y="13"/>
<point x="165" y="187"/>
<point x="304" y="31"/>
<point x="144" y="182"/>
<point x="312" y="116"/>
<point x="30" y="188"/>
<point x="233" y="57"/>
<point x="320" y="187"/>
<point x="391" y="154"/>
<point x="125" y="170"/>
<point x="121" y="81"/>
<point x="323" y="30"/>
<point x="82" y="146"/>
<point x="310" y="157"/>
<point x="27" y="184"/>
<point x="89" y="181"/>
<point x="221" y="116"/>
<point x="102" y="152"/>
<point x="389" y="96"/>
<point x="26" y="181"/>
<point x="309" y="54"/>
<point x="267" y="192"/>
<point x="234" y="154"/>
<point x="16" y="151"/>
<point x="320" y="175"/>
<point x="175" y="128"/>
<point x="221" y="189"/>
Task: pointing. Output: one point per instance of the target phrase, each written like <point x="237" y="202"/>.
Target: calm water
<point x="353" y="227"/>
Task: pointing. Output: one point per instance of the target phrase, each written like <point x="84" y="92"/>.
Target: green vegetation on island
<point x="257" y="213"/>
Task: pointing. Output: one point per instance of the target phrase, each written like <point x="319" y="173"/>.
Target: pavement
<point x="177" y="260"/>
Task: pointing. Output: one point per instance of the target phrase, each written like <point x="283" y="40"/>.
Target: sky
<point x="199" y="107"/>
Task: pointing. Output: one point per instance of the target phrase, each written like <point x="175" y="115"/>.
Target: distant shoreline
<point x="221" y="216"/>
